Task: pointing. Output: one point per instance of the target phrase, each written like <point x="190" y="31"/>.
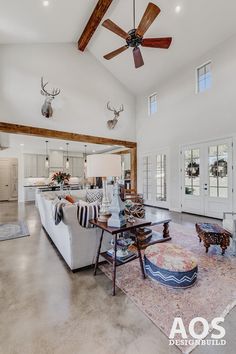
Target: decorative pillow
<point x="86" y="213"/>
<point x="94" y="195"/>
<point x="70" y="199"/>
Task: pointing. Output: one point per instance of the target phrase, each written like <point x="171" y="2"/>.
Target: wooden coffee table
<point x="213" y="234"/>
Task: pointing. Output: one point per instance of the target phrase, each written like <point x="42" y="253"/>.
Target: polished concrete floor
<point x="46" y="309"/>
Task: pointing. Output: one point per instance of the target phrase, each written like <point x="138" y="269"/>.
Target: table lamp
<point x="104" y="165"/>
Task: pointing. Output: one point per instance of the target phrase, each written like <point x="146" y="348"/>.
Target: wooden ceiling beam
<point x="93" y="23"/>
<point x="55" y="134"/>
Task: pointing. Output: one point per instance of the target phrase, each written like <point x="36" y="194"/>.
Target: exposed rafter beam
<point x="93" y="23"/>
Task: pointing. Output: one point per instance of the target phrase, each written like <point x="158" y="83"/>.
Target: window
<point x="152" y="104"/>
<point x="204" y="77"/>
<point x="147" y="178"/>
<point x="161" y="177"/>
<point x="192" y="172"/>
<point x="218" y="171"/>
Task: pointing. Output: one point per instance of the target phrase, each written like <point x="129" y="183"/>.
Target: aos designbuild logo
<point x="179" y="329"/>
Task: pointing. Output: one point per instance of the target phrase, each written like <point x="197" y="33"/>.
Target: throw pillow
<point x="94" y="195"/>
<point x="70" y="199"/>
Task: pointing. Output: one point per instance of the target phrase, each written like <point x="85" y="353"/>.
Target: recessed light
<point x="45" y="3"/>
<point x="61" y="148"/>
<point x="94" y="151"/>
<point x="178" y="9"/>
<point x="22" y="144"/>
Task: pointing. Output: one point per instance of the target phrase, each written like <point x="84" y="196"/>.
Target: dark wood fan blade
<point x="115" y="52"/>
<point x="152" y="11"/>
<point x="157" y="42"/>
<point x="138" y="59"/>
<point x="115" y="29"/>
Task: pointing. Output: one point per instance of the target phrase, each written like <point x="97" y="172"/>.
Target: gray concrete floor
<point x="44" y="308"/>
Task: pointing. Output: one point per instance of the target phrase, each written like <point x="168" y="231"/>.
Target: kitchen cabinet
<point x="76" y="166"/>
<point x="35" y="166"/>
<point x="30" y="163"/>
<point x="56" y="159"/>
<point x="30" y="194"/>
<point x="42" y="171"/>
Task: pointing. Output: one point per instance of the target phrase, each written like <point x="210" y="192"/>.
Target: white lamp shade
<point x="104" y="165"/>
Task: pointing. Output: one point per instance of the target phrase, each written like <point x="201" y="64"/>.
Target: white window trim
<point x="196" y="74"/>
<point x="149" y="106"/>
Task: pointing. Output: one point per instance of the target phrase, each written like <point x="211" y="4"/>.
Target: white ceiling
<point x="32" y="143"/>
<point x="200" y="26"/>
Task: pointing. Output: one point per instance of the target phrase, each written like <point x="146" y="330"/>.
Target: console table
<point x="115" y="231"/>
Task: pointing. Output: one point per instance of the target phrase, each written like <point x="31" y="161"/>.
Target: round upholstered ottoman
<point x="171" y="265"/>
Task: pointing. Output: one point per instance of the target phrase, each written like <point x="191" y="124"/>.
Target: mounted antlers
<point x="47" y="110"/>
<point x="112" y="122"/>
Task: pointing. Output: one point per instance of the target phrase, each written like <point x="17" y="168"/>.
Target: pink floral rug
<point x="213" y="295"/>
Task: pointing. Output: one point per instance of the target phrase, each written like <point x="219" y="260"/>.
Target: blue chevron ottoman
<point x="170" y="265"/>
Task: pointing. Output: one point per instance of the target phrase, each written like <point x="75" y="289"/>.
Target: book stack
<point x="144" y="235"/>
<point x="122" y="256"/>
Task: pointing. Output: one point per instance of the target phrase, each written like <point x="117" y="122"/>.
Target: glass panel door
<point x="147" y="178"/>
<point x="192" y="172"/>
<point x="161" y="177"/>
<point x="218" y="171"/>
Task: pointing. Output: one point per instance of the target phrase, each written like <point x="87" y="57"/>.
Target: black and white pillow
<point x="94" y="195"/>
<point x="88" y="212"/>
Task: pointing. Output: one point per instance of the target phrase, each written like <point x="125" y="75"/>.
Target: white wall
<point x="86" y="87"/>
<point x="186" y="117"/>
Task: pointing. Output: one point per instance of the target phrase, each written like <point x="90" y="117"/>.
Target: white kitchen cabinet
<point x="30" y="162"/>
<point x="76" y="166"/>
<point x="56" y="159"/>
<point x="42" y="171"/>
<point x="30" y="194"/>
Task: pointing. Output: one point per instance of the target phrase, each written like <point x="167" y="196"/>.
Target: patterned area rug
<point x="213" y="295"/>
<point x="13" y="230"/>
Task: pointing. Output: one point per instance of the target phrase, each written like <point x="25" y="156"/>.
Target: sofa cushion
<point x="94" y="195"/>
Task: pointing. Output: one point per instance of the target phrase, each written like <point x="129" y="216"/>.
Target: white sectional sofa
<point x="77" y="245"/>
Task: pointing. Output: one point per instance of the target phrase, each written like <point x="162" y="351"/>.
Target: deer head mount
<point x="47" y="110"/>
<point x="112" y="122"/>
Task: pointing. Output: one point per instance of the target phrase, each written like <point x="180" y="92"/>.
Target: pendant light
<point x="47" y="157"/>
<point x="85" y="156"/>
<point x="85" y="161"/>
<point x="67" y="157"/>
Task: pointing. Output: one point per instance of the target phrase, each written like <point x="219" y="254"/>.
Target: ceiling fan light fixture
<point x="134" y="38"/>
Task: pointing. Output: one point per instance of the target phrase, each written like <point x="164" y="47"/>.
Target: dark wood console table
<point x="115" y="231"/>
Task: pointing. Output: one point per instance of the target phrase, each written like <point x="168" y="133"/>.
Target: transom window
<point x="152" y="104"/>
<point x="204" y="77"/>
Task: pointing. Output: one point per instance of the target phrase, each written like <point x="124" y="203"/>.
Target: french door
<point x="155" y="179"/>
<point x="207" y="178"/>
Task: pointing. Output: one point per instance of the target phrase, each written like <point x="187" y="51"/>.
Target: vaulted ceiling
<point x="198" y="27"/>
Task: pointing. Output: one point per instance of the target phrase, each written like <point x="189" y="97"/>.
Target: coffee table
<point x="213" y="234"/>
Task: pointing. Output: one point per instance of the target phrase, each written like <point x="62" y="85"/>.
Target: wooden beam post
<point x="93" y="23"/>
<point x="133" y="153"/>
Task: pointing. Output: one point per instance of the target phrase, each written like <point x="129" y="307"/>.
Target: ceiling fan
<point x="134" y="38"/>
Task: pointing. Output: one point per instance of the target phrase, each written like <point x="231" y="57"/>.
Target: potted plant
<point x="61" y="178"/>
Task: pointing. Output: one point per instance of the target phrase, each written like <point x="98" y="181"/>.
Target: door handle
<point x="6" y="185"/>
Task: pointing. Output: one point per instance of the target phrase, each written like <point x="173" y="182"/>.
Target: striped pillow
<point x="86" y="213"/>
